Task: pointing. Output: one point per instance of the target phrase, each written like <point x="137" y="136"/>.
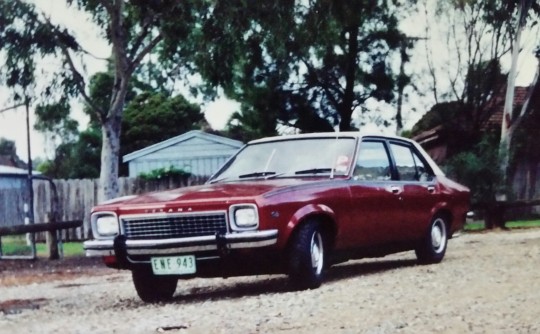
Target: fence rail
<point x="75" y="200"/>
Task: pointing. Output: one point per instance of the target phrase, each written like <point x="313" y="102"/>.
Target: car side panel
<point x="419" y="201"/>
<point x="375" y="215"/>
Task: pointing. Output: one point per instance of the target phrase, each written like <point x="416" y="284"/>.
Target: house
<point x="197" y="152"/>
<point x="440" y="142"/>
<point x="436" y="140"/>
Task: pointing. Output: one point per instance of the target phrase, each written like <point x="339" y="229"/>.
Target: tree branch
<point x="77" y="76"/>
<point x="12" y="107"/>
<point x="429" y="57"/>
<point x="146" y="50"/>
<point x="140" y="39"/>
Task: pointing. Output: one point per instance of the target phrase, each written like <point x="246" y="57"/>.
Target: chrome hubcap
<point x="317" y="252"/>
<point x="438" y="235"/>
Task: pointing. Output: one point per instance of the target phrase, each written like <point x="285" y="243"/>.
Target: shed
<point x="13" y="177"/>
<point x="13" y="194"/>
<point x="197" y="152"/>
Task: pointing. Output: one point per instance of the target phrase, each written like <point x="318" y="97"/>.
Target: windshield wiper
<point x="255" y="174"/>
<point x="313" y="171"/>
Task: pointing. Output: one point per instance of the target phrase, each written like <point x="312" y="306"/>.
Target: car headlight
<point x="106" y="225"/>
<point x="244" y="216"/>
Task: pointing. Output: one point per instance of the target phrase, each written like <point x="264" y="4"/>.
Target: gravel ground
<point x="488" y="283"/>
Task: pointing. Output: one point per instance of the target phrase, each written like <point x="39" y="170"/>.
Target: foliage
<point x="153" y="117"/>
<point x="54" y="121"/>
<point x="76" y="160"/>
<point x="478" y="169"/>
<point x="133" y="29"/>
<point x="7" y="147"/>
<point x="162" y="173"/>
<point x="308" y="65"/>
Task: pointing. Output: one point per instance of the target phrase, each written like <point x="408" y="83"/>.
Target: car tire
<point x="433" y="246"/>
<point x="152" y="288"/>
<point x="307" y="256"/>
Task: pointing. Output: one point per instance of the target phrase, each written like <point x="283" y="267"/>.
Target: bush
<point x="478" y="168"/>
<point x="170" y="172"/>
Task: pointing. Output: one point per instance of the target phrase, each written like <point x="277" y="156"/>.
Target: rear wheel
<point x="433" y="247"/>
<point x="152" y="288"/>
<point x="307" y="256"/>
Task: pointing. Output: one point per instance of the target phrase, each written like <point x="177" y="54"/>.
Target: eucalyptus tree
<point x="309" y="64"/>
<point x="525" y="13"/>
<point x="133" y="29"/>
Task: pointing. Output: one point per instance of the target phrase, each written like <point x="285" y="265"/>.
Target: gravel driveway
<point x="488" y="283"/>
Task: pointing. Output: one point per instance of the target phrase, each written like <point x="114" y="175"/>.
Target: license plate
<point x="174" y="265"/>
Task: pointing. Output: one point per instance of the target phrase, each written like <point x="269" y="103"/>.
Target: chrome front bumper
<point x="184" y="245"/>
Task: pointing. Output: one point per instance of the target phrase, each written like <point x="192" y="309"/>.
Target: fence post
<point x="52" y="239"/>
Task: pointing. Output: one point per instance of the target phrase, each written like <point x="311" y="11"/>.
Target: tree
<point x="77" y="159"/>
<point x="54" y="121"/>
<point x="326" y="57"/>
<point x="510" y="122"/>
<point x="7" y="147"/>
<point x="9" y="151"/>
<point x="132" y="28"/>
<point x="476" y="48"/>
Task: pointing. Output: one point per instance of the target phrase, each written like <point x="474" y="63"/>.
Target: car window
<point x="296" y="157"/>
<point x="372" y="162"/>
<point x="408" y="164"/>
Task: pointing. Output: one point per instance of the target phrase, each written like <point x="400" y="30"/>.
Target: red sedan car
<point x="290" y="204"/>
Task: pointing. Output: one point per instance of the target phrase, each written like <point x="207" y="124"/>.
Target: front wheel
<point x="152" y="288"/>
<point x="433" y="246"/>
<point x="307" y="256"/>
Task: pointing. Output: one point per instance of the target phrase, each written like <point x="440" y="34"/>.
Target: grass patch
<point x="478" y="225"/>
<point x="523" y="224"/>
<point x="16" y="245"/>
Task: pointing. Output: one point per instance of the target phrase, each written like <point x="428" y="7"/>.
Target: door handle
<point x="431" y="189"/>
<point x="395" y="189"/>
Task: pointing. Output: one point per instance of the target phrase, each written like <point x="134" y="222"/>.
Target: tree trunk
<point x="111" y="124"/>
<point x="508" y="126"/>
<point x="401" y="88"/>
<point x="110" y="151"/>
<point x="494" y="216"/>
<point x="346" y="106"/>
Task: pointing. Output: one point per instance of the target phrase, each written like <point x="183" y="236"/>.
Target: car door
<point x="420" y="193"/>
<point x="375" y="204"/>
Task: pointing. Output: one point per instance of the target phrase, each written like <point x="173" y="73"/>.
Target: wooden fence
<point x="77" y="197"/>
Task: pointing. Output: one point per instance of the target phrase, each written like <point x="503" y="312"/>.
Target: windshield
<point x="295" y="157"/>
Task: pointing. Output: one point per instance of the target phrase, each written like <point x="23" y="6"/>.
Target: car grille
<point x="175" y="226"/>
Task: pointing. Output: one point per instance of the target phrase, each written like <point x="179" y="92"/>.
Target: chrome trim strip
<point x="94" y="252"/>
<point x="183" y="245"/>
<point x="98" y="244"/>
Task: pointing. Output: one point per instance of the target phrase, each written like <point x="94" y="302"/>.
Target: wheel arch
<point x="322" y="214"/>
<point x="445" y="213"/>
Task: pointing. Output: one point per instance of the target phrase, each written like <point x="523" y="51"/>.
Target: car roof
<point x="344" y="134"/>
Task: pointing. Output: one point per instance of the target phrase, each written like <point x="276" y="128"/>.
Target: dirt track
<point x="488" y="283"/>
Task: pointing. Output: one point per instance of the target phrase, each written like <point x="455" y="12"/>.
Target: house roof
<point x="8" y="170"/>
<point x="495" y="120"/>
<point x="181" y="138"/>
<point x="6" y="160"/>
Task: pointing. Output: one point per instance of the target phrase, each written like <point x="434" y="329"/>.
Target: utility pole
<point x="30" y="213"/>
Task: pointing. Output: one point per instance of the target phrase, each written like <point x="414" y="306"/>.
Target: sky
<point x="13" y="123"/>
